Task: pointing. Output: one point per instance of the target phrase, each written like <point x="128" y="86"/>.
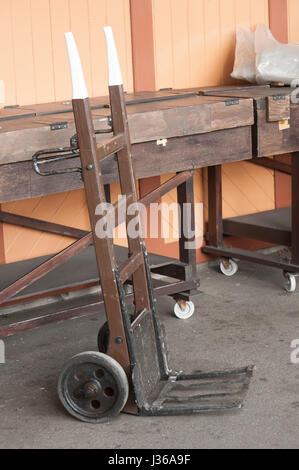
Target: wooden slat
<point x="273" y="164"/>
<point x="29" y="222"/>
<point x="252" y="256"/>
<point x="215" y="206"/>
<point x="130" y="266"/>
<point x="110" y="147"/>
<point x="164" y="188"/>
<point x="44" y="268"/>
<point x="282" y="18"/>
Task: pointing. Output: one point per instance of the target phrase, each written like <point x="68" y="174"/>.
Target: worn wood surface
<point x="19" y="181"/>
<point x="273" y="164"/>
<point x="21" y="138"/>
<point x="278" y="107"/>
<point x="270" y="226"/>
<point x="269" y="138"/>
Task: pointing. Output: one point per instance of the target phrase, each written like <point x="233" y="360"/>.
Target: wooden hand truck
<point x="130" y="372"/>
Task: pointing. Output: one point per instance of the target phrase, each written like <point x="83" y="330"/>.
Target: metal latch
<point x="58" y="125"/>
<point x="232" y="102"/>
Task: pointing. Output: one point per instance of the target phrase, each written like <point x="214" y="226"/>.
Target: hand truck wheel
<point x="103" y="336"/>
<point x="93" y="387"/>
<point x="184" y="309"/>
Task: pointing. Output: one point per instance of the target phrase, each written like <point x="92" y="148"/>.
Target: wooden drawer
<point x="152" y="117"/>
<point x="170" y="131"/>
<point x="276" y="128"/>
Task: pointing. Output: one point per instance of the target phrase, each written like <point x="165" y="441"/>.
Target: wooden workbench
<point x="171" y="131"/>
<point x="275" y="132"/>
<point x="200" y="131"/>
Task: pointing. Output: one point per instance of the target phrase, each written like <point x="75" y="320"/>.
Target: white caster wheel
<point x="228" y="267"/>
<point x="290" y="285"/>
<point x="184" y="309"/>
<point x="128" y="288"/>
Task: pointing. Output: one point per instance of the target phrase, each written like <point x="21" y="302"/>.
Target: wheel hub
<point x="91" y="389"/>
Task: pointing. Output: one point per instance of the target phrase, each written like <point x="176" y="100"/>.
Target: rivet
<point x="89" y="166"/>
<point x="119" y="340"/>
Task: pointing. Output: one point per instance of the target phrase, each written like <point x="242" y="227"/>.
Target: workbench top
<point x="171" y="130"/>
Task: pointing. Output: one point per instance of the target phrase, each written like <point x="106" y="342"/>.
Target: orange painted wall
<point x="34" y="67"/>
<point x="194" y="46"/>
<point x="34" y="63"/>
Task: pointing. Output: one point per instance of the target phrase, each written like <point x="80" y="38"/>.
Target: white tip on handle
<point x="115" y="77"/>
<point x="78" y="82"/>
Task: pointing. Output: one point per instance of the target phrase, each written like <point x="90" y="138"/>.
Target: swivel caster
<point x="228" y="267"/>
<point x="290" y="284"/>
<point x="93" y="387"/>
<point x="184" y="309"/>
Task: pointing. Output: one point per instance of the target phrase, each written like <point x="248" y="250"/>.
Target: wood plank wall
<point x="34" y="67"/>
<point x="34" y="63"/>
<point x="194" y="45"/>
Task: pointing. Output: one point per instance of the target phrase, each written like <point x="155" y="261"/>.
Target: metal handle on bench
<point x="57" y="155"/>
<point x="62" y="153"/>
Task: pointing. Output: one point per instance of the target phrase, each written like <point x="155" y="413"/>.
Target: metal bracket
<point x="62" y="153"/>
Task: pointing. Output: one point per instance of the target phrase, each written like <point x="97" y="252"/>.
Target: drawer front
<point x="277" y="137"/>
<point x="19" y="181"/>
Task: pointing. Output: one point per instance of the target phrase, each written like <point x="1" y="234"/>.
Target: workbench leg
<point x="295" y="208"/>
<point x="215" y="224"/>
<point x="185" y="194"/>
<point x="2" y="247"/>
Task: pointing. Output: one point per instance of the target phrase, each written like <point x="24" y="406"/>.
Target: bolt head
<point x="119" y="340"/>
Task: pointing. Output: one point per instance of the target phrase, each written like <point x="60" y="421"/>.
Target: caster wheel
<point x="228" y="267"/>
<point x="290" y="285"/>
<point x="93" y="387"/>
<point x="184" y="309"/>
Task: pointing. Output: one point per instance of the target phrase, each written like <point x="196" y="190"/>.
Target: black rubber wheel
<point x="93" y="387"/>
<point x="103" y="336"/>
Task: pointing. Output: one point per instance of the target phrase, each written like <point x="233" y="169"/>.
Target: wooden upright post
<point x="278" y="22"/>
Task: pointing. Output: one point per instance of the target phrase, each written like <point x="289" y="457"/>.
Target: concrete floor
<point x="247" y="319"/>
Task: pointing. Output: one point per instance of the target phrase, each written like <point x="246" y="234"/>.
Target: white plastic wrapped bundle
<point x="275" y="62"/>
